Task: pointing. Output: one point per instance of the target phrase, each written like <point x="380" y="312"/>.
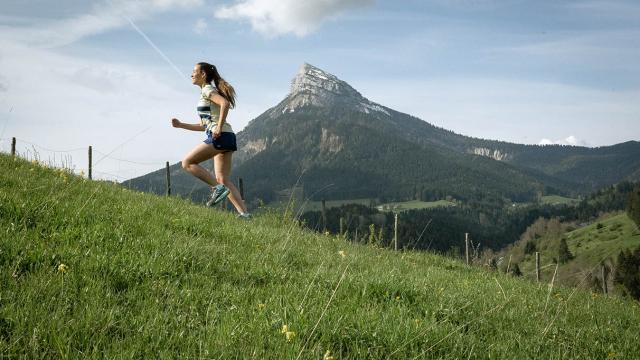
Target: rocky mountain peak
<point x="315" y="87"/>
<point x="314" y="80"/>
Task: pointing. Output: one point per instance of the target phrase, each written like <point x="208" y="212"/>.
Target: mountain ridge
<point x="325" y="127"/>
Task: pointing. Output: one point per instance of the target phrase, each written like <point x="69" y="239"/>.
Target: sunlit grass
<point x="590" y="245"/>
<point x="89" y="269"/>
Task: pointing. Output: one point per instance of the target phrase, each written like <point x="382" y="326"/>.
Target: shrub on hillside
<point x="530" y="247"/>
<point x="515" y="270"/>
<point x="564" y="255"/>
<point x="627" y="275"/>
<point x="633" y="205"/>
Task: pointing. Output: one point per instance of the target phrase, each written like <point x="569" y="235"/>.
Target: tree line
<point x="492" y="222"/>
<point x="627" y="275"/>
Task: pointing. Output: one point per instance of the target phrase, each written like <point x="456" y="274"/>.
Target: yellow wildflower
<point x="328" y="355"/>
<point x="261" y="306"/>
<point x="285" y="329"/>
<point x="326" y="233"/>
<point x="62" y="268"/>
<point x="342" y="253"/>
<point x="290" y="335"/>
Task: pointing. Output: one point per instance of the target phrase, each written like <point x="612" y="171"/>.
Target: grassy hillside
<point x="393" y="206"/>
<point x="413" y="205"/>
<point x="589" y="245"/>
<point x="558" y="200"/>
<point x="309" y="205"/>
<point x="89" y="269"/>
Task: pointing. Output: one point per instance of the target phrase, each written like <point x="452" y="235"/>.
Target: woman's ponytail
<point x="228" y="92"/>
<point x="225" y="89"/>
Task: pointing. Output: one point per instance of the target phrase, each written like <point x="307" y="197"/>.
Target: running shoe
<point x="218" y="194"/>
<point x="245" y="216"/>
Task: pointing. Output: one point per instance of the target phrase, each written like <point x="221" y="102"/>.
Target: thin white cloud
<point x="279" y="17"/>
<point x="570" y="140"/>
<point x="616" y="10"/>
<point x="200" y="26"/>
<point x="82" y="102"/>
<point x="597" y="47"/>
<point x="103" y="17"/>
<point x="512" y="110"/>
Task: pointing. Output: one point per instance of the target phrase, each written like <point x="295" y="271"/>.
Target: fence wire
<point x="63" y="158"/>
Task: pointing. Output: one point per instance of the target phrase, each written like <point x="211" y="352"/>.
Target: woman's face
<point x="198" y="76"/>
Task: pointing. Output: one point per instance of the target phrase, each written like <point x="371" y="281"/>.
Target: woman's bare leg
<point x="192" y="160"/>
<point x="222" y="166"/>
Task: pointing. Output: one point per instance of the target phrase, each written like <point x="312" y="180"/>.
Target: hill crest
<point x="159" y="277"/>
<point x="326" y="130"/>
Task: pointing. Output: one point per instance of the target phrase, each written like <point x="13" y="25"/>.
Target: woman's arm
<point x="193" y="127"/>
<point x="224" y="109"/>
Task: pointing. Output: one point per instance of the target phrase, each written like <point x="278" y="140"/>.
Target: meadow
<point x="558" y="200"/>
<point x="392" y="206"/>
<point x="414" y="205"/>
<point x="590" y="246"/>
<point x="90" y="269"/>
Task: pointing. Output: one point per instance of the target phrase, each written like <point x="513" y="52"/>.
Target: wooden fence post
<point x="466" y="247"/>
<point x="168" y="180"/>
<point x="537" y="266"/>
<point x="604" y="280"/>
<point x="90" y="163"/>
<point x="341" y="226"/>
<point x="241" y="184"/>
<point x="324" y="217"/>
<point x="395" y="231"/>
<point x="13" y="146"/>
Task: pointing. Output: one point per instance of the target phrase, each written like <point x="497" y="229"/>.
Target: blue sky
<point x="76" y="73"/>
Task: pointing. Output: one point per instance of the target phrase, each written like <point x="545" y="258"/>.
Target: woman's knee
<point x="186" y="163"/>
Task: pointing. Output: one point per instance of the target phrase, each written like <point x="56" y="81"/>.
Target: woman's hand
<point x="216" y="132"/>
<point x="175" y="123"/>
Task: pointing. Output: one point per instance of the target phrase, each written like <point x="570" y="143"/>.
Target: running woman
<point x="215" y="101"/>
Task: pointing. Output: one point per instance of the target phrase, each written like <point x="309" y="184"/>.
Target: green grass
<point x="393" y="206"/>
<point x="317" y="205"/>
<point x="155" y="277"/>
<point x="558" y="200"/>
<point x="413" y="205"/>
<point x="589" y="245"/>
<point x="549" y="200"/>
